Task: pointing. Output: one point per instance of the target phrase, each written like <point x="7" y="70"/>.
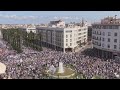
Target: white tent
<point x="2" y="68"/>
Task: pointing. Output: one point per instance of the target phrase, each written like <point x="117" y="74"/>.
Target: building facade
<point x="63" y="37"/>
<point x="89" y="33"/>
<point x="106" y="37"/>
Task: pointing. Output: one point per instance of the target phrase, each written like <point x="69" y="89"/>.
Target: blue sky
<point x="9" y="17"/>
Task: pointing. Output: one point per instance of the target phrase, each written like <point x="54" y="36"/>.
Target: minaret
<point x="60" y="68"/>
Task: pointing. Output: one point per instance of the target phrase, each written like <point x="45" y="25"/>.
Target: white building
<point x="64" y="37"/>
<point x="106" y="37"/>
<point x="31" y="28"/>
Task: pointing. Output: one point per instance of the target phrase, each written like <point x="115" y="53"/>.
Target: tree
<point x="13" y="37"/>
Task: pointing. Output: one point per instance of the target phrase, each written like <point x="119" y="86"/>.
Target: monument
<point x="60" y="72"/>
<point x="60" y="69"/>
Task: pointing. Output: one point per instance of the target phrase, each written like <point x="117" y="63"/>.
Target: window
<point x="97" y="32"/>
<point x="115" y="46"/>
<point x="70" y="36"/>
<point x="79" y="33"/>
<point x="115" y="40"/>
<point x="70" y="44"/>
<point x="103" y="45"/>
<point x="79" y="29"/>
<point x="99" y="44"/>
<point x="66" y="44"/>
<point x="108" y="46"/>
<point x="84" y="35"/>
<point x="66" y="36"/>
<point x="79" y="38"/>
<point x="70" y="40"/>
<point x="97" y="38"/>
<point x="103" y="33"/>
<point x="100" y="33"/>
<point x="103" y="39"/>
<point x="108" y="39"/>
<point x="109" y="34"/>
<point x="115" y="34"/>
<point x="66" y="40"/>
<point x="110" y="27"/>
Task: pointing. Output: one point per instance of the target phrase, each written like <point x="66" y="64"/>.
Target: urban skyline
<point x="60" y="50"/>
<point x="36" y="17"/>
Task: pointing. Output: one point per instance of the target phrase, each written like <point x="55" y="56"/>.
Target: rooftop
<point x="109" y="21"/>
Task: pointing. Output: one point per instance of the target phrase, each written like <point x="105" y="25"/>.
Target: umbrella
<point x="2" y="68"/>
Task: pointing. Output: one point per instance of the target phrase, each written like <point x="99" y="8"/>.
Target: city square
<point x="60" y="51"/>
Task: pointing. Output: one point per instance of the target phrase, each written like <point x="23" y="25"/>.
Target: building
<point x="31" y="28"/>
<point x="63" y="37"/>
<point x="89" y="33"/>
<point x="106" y="37"/>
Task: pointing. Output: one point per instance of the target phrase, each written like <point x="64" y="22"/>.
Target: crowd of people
<point x="32" y="64"/>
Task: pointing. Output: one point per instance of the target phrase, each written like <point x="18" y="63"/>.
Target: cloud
<point x="36" y="19"/>
<point x="67" y="18"/>
<point x="17" y="17"/>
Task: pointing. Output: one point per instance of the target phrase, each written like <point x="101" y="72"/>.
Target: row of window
<point x="67" y="36"/>
<point x="67" y="40"/>
<point x="60" y="44"/>
<point x="67" y="44"/>
<point x="109" y="40"/>
<point x="105" y="27"/>
<point x="82" y="29"/>
<point x="108" y="46"/>
<point x="99" y="33"/>
<point x="68" y="31"/>
<point x="81" y="33"/>
<point x="103" y="39"/>
<point x="80" y="37"/>
<point x="96" y="38"/>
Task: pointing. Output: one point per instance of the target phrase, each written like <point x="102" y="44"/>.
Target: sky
<point x="37" y="17"/>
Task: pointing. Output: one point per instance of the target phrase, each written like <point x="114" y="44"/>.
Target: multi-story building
<point x="106" y="37"/>
<point x="64" y="37"/>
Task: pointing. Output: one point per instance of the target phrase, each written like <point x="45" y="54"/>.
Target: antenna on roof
<point x="115" y="16"/>
<point x="82" y="21"/>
